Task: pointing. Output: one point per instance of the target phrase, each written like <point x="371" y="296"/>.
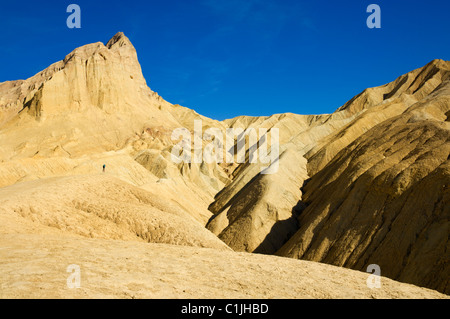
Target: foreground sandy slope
<point x="34" y="266"/>
<point x="130" y="243"/>
<point x="98" y="206"/>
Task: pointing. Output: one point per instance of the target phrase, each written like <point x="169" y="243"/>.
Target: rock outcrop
<point x="385" y="200"/>
<point x="95" y="108"/>
<point x="372" y="165"/>
<point x="368" y="184"/>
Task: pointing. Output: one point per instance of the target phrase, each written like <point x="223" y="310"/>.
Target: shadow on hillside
<point x="281" y="232"/>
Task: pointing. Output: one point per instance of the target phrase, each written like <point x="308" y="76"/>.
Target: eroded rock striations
<point x="375" y="186"/>
<point x="368" y="184"/>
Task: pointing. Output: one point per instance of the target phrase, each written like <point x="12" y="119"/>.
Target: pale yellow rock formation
<point x="366" y="184"/>
<point x="385" y="199"/>
<point x="407" y="116"/>
<point x="95" y="108"/>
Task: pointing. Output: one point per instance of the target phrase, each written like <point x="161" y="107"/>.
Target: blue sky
<point x="238" y="57"/>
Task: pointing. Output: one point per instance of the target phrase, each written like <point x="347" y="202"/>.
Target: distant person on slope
<point x="104" y="168"/>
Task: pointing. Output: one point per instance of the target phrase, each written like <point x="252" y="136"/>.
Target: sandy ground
<point x="35" y="266"/>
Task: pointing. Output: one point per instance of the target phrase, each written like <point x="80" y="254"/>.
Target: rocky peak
<point x="119" y="40"/>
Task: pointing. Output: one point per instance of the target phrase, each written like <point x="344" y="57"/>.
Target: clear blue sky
<point x="238" y="57"/>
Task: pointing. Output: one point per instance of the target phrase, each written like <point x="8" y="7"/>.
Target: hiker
<point x="104" y="168"/>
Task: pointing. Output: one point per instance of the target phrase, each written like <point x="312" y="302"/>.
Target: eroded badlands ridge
<point x="367" y="184"/>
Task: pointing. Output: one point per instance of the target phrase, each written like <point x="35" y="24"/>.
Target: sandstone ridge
<point x="367" y="184"/>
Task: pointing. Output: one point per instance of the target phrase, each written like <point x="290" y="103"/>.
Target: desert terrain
<point x="367" y="184"/>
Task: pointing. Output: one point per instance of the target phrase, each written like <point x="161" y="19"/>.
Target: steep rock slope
<point x="255" y="212"/>
<point x="95" y="108"/>
<point x="417" y="105"/>
<point x="263" y="214"/>
<point x="376" y="105"/>
<point x="385" y="199"/>
<point x="318" y="139"/>
<point x="91" y="101"/>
